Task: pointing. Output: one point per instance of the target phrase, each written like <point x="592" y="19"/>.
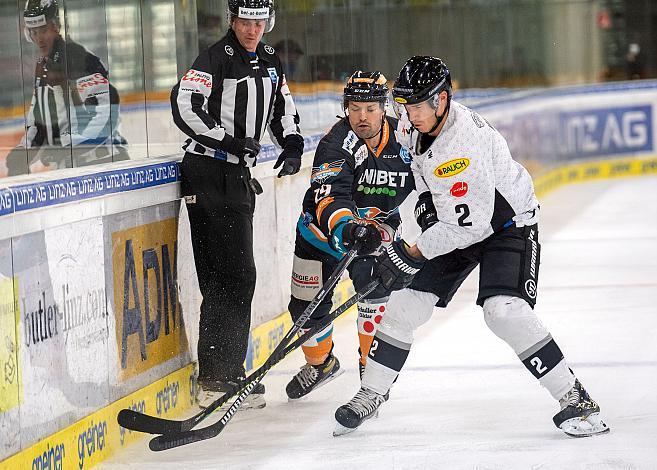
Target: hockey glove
<point x="290" y="158"/>
<point x="395" y="268"/>
<point x="425" y="211"/>
<point x="244" y="147"/>
<point x="349" y="234"/>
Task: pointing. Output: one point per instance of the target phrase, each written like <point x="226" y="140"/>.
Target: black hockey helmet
<point x="253" y="10"/>
<point x="422" y="78"/>
<point x="365" y="86"/>
<point x="39" y="12"/>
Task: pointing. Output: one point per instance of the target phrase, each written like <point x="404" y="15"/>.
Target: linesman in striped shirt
<point x="233" y="92"/>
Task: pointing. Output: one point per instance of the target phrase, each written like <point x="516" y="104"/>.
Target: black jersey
<point x="352" y="181"/>
<point x="230" y="93"/>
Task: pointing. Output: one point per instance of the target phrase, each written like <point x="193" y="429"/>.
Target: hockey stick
<point x="141" y="422"/>
<point x="138" y="422"/>
<point x="177" y="439"/>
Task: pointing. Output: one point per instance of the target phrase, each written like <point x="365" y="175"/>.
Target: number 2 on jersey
<point x="464" y="210"/>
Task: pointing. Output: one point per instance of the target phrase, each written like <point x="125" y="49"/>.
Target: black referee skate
<point x="209" y="391"/>
<point x="579" y="415"/>
<point x="310" y="377"/>
<point x="363" y="406"/>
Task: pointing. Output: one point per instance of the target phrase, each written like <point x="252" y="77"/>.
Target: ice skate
<point x="579" y="415"/>
<point x="363" y="406"/>
<point x="311" y="377"/>
<point x="211" y="390"/>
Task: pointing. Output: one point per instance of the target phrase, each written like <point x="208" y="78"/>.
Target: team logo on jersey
<point x="325" y="171"/>
<point x="273" y="75"/>
<point x="269" y="49"/>
<point x="373" y="213"/>
<point x="451" y="168"/>
<point x="229" y="50"/>
<point x="459" y="189"/>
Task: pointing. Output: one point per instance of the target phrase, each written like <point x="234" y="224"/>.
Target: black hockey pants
<point x="220" y="203"/>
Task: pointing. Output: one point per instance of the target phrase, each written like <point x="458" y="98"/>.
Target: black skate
<point x="579" y="415"/>
<point x="310" y="377"/>
<point x="363" y="406"/>
<point x="209" y="391"/>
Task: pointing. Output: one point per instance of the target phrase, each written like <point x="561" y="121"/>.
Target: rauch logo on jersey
<point x="459" y="189"/>
<point x="451" y="168"/>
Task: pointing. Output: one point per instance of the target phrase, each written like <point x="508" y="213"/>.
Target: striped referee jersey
<point x="229" y="93"/>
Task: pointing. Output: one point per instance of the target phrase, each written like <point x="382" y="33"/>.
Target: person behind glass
<point x="361" y="175"/>
<point x="476" y="208"/>
<point x="234" y="91"/>
<point x="634" y="62"/>
<point x="74" y="109"/>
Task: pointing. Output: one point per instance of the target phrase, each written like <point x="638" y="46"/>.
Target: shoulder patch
<point x="196" y="81"/>
<point x="479" y="122"/>
<point x="361" y="154"/>
<point x="269" y="49"/>
<point x="229" y="50"/>
<point x="349" y="142"/>
<point x="273" y="75"/>
<point x="405" y="155"/>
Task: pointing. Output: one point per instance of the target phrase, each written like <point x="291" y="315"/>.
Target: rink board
<point x="98" y="436"/>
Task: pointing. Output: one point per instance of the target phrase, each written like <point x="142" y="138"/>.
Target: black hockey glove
<point x="425" y="211"/>
<point x="366" y="237"/>
<point x="290" y="158"/>
<point x="349" y="234"/>
<point x="395" y="268"/>
<point x="244" y="147"/>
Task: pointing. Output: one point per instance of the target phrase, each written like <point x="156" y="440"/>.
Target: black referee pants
<point x="220" y="203"/>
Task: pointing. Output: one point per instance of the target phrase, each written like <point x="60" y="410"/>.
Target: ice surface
<point x="464" y="401"/>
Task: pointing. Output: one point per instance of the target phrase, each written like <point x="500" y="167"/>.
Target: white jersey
<point x="476" y="187"/>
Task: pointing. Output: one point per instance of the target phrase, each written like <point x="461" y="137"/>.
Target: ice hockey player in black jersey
<point x="476" y="207"/>
<point x="360" y="176"/>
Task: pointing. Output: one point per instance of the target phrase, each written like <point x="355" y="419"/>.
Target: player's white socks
<point x="515" y="322"/>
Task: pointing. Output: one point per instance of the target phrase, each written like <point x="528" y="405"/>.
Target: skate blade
<point x="590" y="426"/>
<point x="341" y="430"/>
<point x="337" y="374"/>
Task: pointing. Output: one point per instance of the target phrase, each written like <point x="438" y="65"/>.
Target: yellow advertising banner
<point x="149" y="328"/>
<point x="98" y="436"/>
<point x="9" y="373"/>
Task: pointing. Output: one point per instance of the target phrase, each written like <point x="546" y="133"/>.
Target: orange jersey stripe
<point x="337" y="216"/>
<point x="321" y="206"/>
<point x="317" y="232"/>
<point x="385" y="135"/>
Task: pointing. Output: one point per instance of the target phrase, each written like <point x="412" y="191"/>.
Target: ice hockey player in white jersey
<point x="476" y="207"/>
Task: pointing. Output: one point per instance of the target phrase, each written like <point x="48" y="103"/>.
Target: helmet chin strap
<point x="380" y="131"/>
<point x="440" y="118"/>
